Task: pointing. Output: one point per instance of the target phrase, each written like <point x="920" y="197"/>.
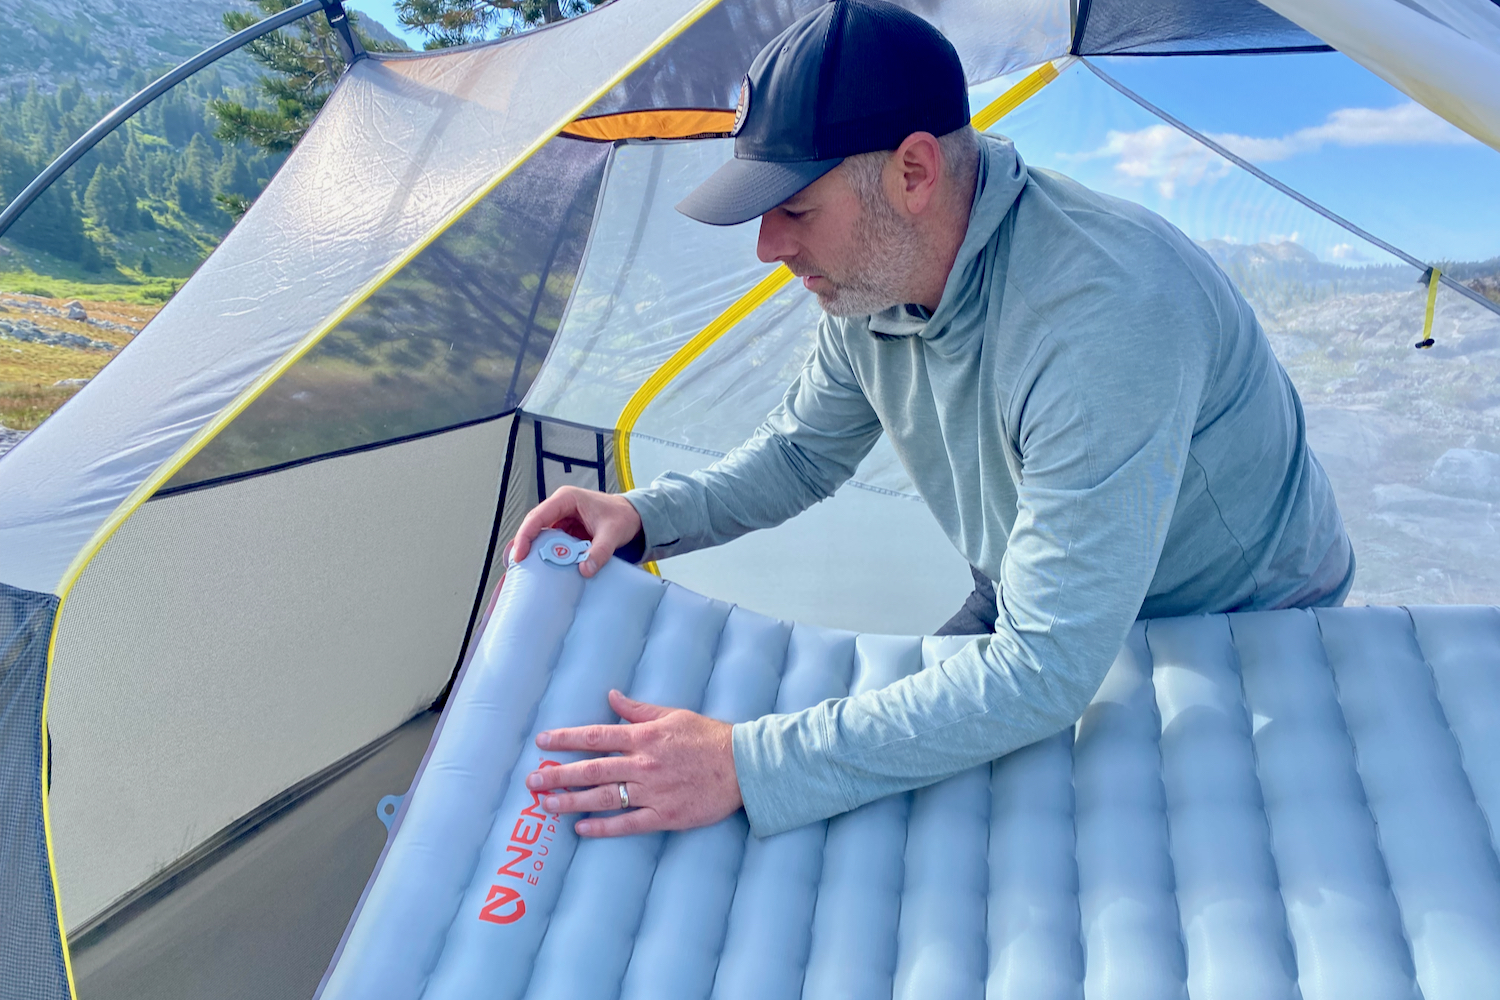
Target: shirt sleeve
<point x="804" y="450"/>
<point x="1102" y="429"/>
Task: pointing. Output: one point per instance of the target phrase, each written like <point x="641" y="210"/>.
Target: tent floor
<point x="263" y="918"/>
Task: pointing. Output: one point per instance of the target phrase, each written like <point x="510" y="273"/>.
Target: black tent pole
<point x="336" y="17"/>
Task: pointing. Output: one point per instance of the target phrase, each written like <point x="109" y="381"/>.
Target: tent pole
<point x="336" y="17"/>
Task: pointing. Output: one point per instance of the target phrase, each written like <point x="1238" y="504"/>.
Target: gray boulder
<point x="1468" y="473"/>
<point x="76" y="311"/>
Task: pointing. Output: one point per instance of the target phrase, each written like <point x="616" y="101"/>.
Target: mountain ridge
<point x="101" y="43"/>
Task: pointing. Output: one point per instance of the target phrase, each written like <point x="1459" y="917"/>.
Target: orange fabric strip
<point x="667" y="124"/>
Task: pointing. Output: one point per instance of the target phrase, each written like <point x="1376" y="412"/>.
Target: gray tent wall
<point x="365" y="636"/>
<point x="227" y="688"/>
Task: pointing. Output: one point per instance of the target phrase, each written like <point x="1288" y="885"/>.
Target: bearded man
<point x="1084" y="400"/>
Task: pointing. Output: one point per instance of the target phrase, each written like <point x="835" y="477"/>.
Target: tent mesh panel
<point x="458" y="335"/>
<point x="31" y="957"/>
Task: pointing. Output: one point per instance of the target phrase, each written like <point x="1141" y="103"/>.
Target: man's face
<point x="855" y="254"/>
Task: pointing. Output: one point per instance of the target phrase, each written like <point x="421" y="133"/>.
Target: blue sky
<point x="384" y="11"/>
<point x="1319" y="122"/>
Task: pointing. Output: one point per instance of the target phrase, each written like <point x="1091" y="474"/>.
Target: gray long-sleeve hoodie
<point x="1097" y="422"/>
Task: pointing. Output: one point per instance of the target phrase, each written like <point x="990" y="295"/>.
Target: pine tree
<point x="305" y="63"/>
<point x="234" y="186"/>
<point x="107" y="202"/>
<point x="460" y="22"/>
<point x="194" y="182"/>
<point x="233" y="175"/>
<point x="52" y="224"/>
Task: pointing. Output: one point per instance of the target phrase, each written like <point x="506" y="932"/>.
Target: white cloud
<point x="1171" y="159"/>
<point x="1162" y="154"/>
<point x="1347" y="251"/>
<point x="1407" y="124"/>
<point x="1292" y="237"/>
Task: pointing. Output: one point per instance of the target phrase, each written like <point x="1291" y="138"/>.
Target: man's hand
<point x="677" y="766"/>
<point x="606" y="519"/>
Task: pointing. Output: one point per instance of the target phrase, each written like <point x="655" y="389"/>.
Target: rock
<point x="27" y="331"/>
<point x="1288" y="346"/>
<point x="71" y="381"/>
<point x="1396" y="498"/>
<point x="1472" y="343"/>
<point x="76" y="311"/>
<point x="1468" y="473"/>
<point x="1350" y="444"/>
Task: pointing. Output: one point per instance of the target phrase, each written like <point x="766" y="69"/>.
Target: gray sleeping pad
<point x="1266" y="805"/>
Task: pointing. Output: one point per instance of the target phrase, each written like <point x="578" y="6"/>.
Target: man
<point x="1085" y="402"/>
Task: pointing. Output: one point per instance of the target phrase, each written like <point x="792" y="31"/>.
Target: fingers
<point x="608" y="521"/>
<point x="620" y="824"/>
<point x="593" y="739"/>
<point x="604" y="798"/>
<point x="635" y="711"/>
<point x="612" y="521"/>
<point x="544" y="515"/>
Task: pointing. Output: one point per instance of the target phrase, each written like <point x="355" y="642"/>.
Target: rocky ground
<point x="50" y="348"/>
<point x="1410" y="438"/>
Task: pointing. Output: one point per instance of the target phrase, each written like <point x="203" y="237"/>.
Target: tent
<point x="239" y="571"/>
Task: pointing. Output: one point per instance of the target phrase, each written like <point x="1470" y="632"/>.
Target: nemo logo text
<point x="526" y="854"/>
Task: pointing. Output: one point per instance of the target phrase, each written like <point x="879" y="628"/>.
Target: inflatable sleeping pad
<point x="1273" y="804"/>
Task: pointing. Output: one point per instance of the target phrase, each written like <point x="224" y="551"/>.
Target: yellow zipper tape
<point x="685" y="355"/>
<point x="47" y="807"/>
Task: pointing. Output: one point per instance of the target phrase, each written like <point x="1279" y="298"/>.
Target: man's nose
<point x="773" y="244"/>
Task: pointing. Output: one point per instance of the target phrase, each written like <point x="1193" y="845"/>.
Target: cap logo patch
<point x="743" y="108"/>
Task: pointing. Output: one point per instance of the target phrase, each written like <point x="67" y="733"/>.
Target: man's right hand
<point x="607" y="520"/>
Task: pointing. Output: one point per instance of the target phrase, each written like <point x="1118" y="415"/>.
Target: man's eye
<point x="794" y="215"/>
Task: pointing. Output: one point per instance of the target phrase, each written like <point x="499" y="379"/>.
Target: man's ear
<point x="917" y="165"/>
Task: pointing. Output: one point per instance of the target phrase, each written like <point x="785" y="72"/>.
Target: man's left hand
<point x="677" y="767"/>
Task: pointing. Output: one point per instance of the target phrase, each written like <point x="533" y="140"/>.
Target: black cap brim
<point x="742" y="190"/>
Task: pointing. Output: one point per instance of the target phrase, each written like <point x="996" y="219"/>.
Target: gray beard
<point x="891" y="254"/>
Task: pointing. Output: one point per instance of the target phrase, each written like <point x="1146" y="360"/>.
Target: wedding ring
<point x="624" y="797"/>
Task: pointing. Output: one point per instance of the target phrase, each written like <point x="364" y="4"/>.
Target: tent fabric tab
<point x="666" y="124"/>
<point x="1278" y="801"/>
<point x="32" y="961"/>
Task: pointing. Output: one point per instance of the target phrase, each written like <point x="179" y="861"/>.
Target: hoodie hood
<point x="1000" y="178"/>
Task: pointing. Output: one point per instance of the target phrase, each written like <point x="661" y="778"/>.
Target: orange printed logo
<point x="530" y="841"/>
<point x="499" y="896"/>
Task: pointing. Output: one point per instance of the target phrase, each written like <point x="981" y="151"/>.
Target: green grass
<point x="176" y="247"/>
<point x="146" y="291"/>
<point x="23" y="407"/>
